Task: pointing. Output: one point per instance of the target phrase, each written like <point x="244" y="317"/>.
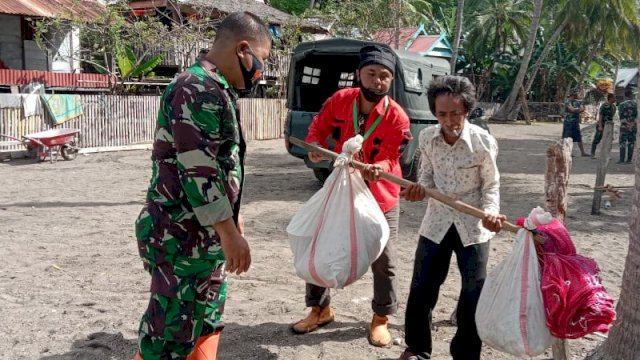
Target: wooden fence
<point x="113" y="121"/>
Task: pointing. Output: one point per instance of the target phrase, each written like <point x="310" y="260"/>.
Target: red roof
<point x="51" y="79"/>
<point x="386" y="36"/>
<point x="52" y="8"/>
<point x="423" y="43"/>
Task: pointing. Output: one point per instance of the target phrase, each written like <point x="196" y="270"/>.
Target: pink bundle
<point x="576" y="303"/>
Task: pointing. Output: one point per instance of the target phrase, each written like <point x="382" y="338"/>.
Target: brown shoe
<point x="378" y="332"/>
<point x="318" y="317"/>
<point x="407" y="355"/>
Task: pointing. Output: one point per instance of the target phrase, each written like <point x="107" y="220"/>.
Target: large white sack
<point x="339" y="232"/>
<point x="510" y="316"/>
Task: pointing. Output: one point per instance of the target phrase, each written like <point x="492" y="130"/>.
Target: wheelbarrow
<point x="50" y="143"/>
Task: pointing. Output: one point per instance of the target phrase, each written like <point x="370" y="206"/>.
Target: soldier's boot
<point x="206" y="347"/>
<point x="318" y="317"/>
<point x="623" y="154"/>
<point x="379" y="334"/>
<point x="630" y="147"/>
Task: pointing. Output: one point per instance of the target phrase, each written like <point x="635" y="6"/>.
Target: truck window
<point x="318" y="76"/>
<point x="310" y="76"/>
<point x="346" y="80"/>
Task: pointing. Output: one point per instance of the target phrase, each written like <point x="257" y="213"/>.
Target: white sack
<point x="341" y="230"/>
<point x="510" y="316"/>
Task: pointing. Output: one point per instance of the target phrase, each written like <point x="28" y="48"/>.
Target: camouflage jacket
<point x="628" y="113"/>
<point x="198" y="160"/>
<point x="607" y="112"/>
<point x="571" y="115"/>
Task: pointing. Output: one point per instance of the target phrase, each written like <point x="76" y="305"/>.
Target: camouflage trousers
<point x="188" y="293"/>
<point x="627" y="136"/>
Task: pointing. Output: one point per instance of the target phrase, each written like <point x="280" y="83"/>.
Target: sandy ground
<point x="72" y="286"/>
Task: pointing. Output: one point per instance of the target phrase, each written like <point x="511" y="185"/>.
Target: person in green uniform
<point x="605" y="115"/>
<point x="190" y="232"/>
<point x="571" y="124"/>
<point x="628" y="127"/>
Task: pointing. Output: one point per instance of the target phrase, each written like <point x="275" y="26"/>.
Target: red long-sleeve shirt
<point x="384" y="146"/>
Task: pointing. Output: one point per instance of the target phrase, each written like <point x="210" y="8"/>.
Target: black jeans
<point x="429" y="272"/>
<point x="385" y="284"/>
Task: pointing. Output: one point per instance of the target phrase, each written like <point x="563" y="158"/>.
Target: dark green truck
<point x="320" y="68"/>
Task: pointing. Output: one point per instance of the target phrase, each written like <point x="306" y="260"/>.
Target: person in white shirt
<point x="459" y="160"/>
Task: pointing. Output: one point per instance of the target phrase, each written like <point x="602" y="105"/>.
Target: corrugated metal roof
<point x="52" y="8"/>
<point x="51" y="79"/>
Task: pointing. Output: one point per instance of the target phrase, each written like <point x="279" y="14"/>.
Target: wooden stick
<point x="447" y="200"/>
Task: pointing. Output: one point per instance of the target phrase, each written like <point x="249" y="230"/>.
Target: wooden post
<point x="605" y="152"/>
<point x="556" y="181"/>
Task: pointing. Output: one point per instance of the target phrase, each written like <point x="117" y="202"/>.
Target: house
<point x="627" y="78"/>
<point x="23" y="62"/>
<point x="180" y="58"/>
<point x="418" y="41"/>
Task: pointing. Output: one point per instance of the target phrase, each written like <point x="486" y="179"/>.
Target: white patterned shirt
<point x="466" y="171"/>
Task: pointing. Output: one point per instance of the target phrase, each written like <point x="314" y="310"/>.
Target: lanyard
<point x="375" y="123"/>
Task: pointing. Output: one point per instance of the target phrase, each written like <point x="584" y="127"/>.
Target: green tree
<point x="111" y="37"/>
<point x="508" y="109"/>
<point x="295" y="7"/>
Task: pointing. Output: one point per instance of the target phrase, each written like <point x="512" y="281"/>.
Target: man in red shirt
<point x="368" y="111"/>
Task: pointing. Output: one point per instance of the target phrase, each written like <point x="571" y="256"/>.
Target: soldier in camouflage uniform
<point x="628" y="127"/>
<point x="606" y="114"/>
<point x="571" y="124"/>
<point x="190" y="232"/>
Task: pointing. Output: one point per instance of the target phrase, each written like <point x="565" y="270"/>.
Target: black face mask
<point x="252" y="75"/>
<point x="372" y="95"/>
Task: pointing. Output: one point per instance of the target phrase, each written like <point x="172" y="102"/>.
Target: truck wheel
<point x="321" y="174"/>
<point x="415" y="166"/>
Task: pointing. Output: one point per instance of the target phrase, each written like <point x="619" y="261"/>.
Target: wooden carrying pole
<point x="449" y="201"/>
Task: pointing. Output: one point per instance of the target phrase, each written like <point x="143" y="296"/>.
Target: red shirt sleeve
<point x="396" y="139"/>
<point x="320" y="127"/>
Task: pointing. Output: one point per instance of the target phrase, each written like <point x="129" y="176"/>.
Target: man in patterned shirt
<point x="628" y="126"/>
<point x="571" y="125"/>
<point x="459" y="160"/>
<point x="190" y="231"/>
<point x="606" y="114"/>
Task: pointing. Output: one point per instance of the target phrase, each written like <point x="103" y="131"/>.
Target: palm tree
<point x="611" y="26"/>
<point x="496" y="28"/>
<point x="456" y="40"/>
<point x="497" y="22"/>
<point x="507" y="109"/>
<point x="545" y="52"/>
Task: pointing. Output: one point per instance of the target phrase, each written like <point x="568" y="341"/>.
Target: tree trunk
<point x="456" y="40"/>
<point x="507" y="107"/>
<point x="556" y="182"/>
<point x="547" y="48"/>
<point x="396" y="33"/>
<point x="590" y="57"/>
<point x="624" y="337"/>
<point x="312" y="4"/>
